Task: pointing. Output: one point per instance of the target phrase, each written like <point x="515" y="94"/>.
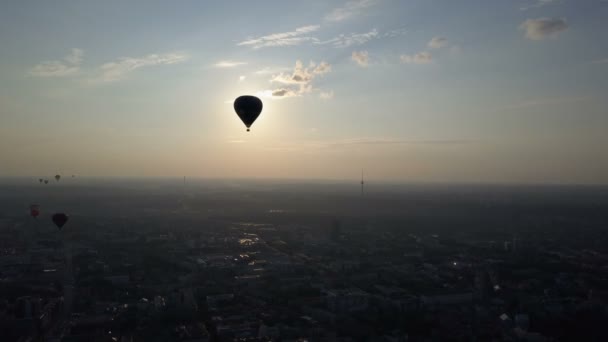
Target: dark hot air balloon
<point x="57" y="177"/>
<point x="248" y="108"/>
<point x="60" y="219"/>
<point x="40" y="180"/>
<point x="34" y="210"/>
<point x="46" y="181"/>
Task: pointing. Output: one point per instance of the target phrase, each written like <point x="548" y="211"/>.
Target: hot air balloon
<point x="60" y="219"/>
<point x="34" y="210"/>
<point x="57" y="177"/>
<point x="40" y="180"/>
<point x="46" y="181"/>
<point x="248" y="108"/>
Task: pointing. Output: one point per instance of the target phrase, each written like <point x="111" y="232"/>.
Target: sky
<point x="406" y="90"/>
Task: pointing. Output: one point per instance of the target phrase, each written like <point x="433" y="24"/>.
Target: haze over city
<point x="410" y="91"/>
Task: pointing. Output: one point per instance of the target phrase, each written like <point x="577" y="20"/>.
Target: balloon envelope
<point x="60" y="219"/>
<point x="248" y="108"/>
<point x="46" y="181"/>
<point x="57" y="177"/>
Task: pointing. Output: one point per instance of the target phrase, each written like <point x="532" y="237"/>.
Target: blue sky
<point x="431" y="91"/>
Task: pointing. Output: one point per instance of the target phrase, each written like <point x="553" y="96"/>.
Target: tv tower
<point x="362" y="182"/>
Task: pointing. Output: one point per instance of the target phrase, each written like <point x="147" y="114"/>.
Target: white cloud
<point x="115" y="71"/>
<point x="228" y="64"/>
<point x="346" y="40"/>
<point x="437" y="42"/>
<point x="241" y="78"/>
<point x="327" y="95"/>
<point x="541" y="28"/>
<point x="296" y="37"/>
<point x="70" y="65"/>
<point x="349" y="10"/>
<point x="394" y="33"/>
<point x="360" y="57"/>
<point x="536" y="4"/>
<point x="419" y="58"/>
<point x="298" y="82"/>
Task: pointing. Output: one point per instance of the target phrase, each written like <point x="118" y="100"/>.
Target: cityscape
<point x="156" y="260"/>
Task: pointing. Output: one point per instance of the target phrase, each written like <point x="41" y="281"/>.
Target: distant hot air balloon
<point x="34" y="210"/>
<point x="60" y="219"/>
<point x="46" y="181"/>
<point x="40" y="180"/>
<point x="57" y="177"/>
<point x="248" y="108"/>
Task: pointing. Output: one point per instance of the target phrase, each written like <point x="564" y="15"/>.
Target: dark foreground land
<point x="159" y="260"/>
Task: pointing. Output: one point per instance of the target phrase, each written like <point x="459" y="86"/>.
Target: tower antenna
<point x="362" y="182"/>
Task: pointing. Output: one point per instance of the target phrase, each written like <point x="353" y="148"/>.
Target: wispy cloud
<point x="228" y="64"/>
<point x="360" y="57"/>
<point x="419" y="58"/>
<point x="536" y="4"/>
<point x="394" y="33"/>
<point x="270" y="70"/>
<point x="303" y="35"/>
<point x="298" y="82"/>
<point x="296" y="37"/>
<point x="382" y="141"/>
<point x="437" y="42"/>
<point x="242" y="78"/>
<point x="541" y="28"/>
<point x="302" y="74"/>
<point x="600" y="61"/>
<point x="119" y="69"/>
<point x="350" y="39"/>
<point x="545" y="102"/>
<point x="70" y="65"/>
<point x="327" y="95"/>
<point x="349" y="10"/>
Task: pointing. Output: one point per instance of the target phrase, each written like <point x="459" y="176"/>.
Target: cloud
<point x="115" y="71"/>
<point x="285" y="92"/>
<point x="536" y="4"/>
<point x="298" y="82"/>
<point x="394" y="33"/>
<point x="600" y="61"/>
<point x="419" y="58"/>
<point x="547" y="101"/>
<point x="228" y="64"/>
<point x="382" y="141"/>
<point x="242" y="78"/>
<point x="70" y="65"/>
<point x="541" y="28"/>
<point x="75" y="57"/>
<point x="302" y="75"/>
<point x="296" y="37"/>
<point x="327" y="95"/>
<point x="346" y="40"/>
<point x="437" y="42"/>
<point x="270" y="70"/>
<point x="349" y="10"/>
<point x="360" y="57"/>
